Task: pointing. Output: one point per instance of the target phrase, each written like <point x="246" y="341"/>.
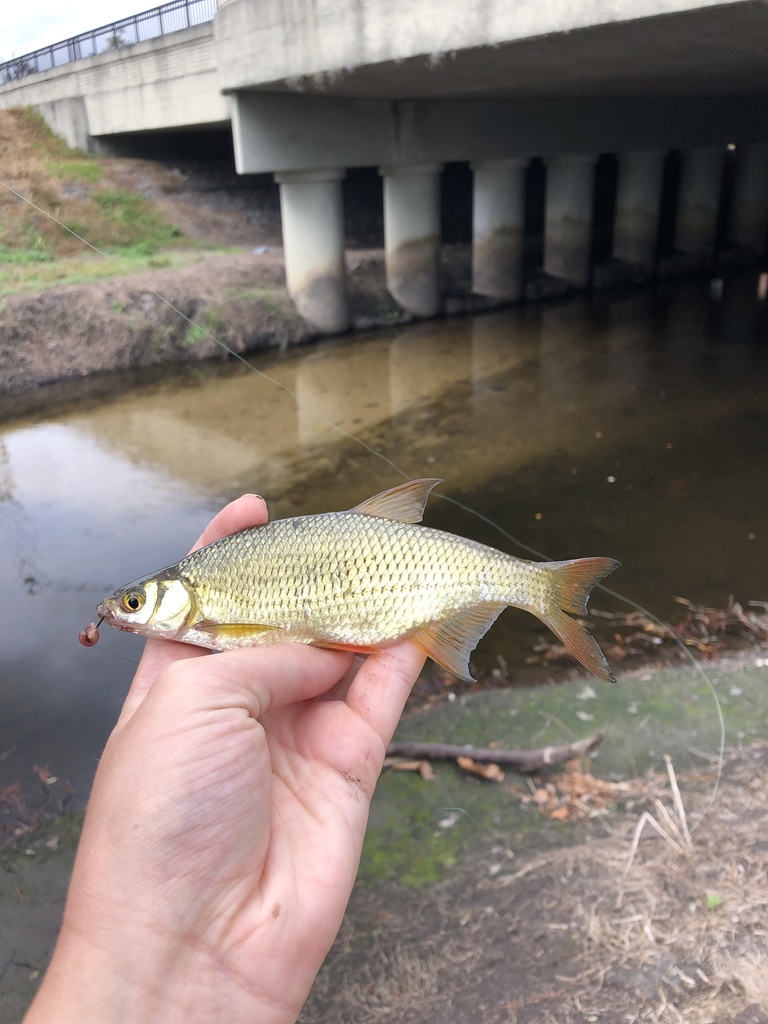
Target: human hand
<point x="224" y="829"/>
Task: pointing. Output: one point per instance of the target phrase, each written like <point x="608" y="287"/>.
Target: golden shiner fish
<point x="358" y="581"/>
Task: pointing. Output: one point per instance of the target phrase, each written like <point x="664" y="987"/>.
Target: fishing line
<point x="204" y="330"/>
<point x="639" y="608"/>
<point x="406" y="476"/>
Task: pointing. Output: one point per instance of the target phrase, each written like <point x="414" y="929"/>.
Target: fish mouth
<point x="107" y="613"/>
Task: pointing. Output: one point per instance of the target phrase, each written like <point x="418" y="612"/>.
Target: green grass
<point x="23" y="257"/>
<point x="38" y="275"/>
<point x="75" y="168"/>
<point x="208" y="323"/>
<point x="127" y="222"/>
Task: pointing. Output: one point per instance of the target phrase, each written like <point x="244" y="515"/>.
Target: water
<point x="634" y="428"/>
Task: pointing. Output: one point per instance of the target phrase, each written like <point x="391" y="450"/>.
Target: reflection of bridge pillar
<point x="498" y="212"/>
<point x="341" y="389"/>
<point x="638" y="200"/>
<point x="568" y="226"/>
<point x="749" y="219"/>
<point x="426" y="362"/>
<point x="565" y="338"/>
<point x="412" y="236"/>
<point x="313" y="240"/>
<point x="700" y="176"/>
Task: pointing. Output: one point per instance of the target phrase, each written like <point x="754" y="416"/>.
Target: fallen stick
<point x="525" y="761"/>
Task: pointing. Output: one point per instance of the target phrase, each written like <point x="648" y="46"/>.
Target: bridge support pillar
<point x="638" y="201"/>
<point x="568" y="222"/>
<point x="412" y="236"/>
<point x="498" y="212"/>
<point x="749" y="219"/>
<point x="313" y="241"/>
<point x="698" y="200"/>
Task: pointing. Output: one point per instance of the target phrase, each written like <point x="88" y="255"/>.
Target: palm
<point x="260" y="821"/>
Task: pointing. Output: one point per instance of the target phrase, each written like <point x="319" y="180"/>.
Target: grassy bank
<point x="56" y="194"/>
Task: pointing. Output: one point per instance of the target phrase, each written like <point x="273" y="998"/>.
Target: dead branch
<point x="524" y="761"/>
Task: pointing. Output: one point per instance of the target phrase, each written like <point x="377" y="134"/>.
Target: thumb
<point x="246" y="511"/>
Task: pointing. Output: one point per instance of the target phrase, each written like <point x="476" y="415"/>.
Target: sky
<point x="27" y="25"/>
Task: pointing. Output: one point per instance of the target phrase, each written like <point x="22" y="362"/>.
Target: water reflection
<point x="629" y="427"/>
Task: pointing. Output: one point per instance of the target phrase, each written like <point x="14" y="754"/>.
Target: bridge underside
<point x="410" y="85"/>
<point x="523" y="50"/>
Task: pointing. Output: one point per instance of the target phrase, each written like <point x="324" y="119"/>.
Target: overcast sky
<point x="26" y="25"/>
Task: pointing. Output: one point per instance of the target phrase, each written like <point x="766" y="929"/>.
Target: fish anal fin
<point x="451" y="641"/>
<point x="404" y="503"/>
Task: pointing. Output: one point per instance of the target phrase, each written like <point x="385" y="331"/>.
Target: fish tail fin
<point x="571" y="583"/>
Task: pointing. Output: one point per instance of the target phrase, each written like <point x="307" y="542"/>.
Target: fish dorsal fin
<point x="451" y="641"/>
<point x="404" y="503"/>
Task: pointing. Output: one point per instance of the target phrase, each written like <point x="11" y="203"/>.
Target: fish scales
<point x="358" y="580"/>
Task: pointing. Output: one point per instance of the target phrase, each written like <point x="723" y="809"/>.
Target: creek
<point x="631" y="426"/>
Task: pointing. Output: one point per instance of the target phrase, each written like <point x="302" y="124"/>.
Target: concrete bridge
<point x="314" y="87"/>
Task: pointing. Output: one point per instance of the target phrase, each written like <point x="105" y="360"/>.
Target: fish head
<point x="157" y="606"/>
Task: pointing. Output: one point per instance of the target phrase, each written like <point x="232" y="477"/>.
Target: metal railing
<point x="159" y="21"/>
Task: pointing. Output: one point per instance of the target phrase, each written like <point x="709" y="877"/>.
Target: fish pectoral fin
<point x="404" y="503"/>
<point x="244" y="631"/>
<point x="451" y="641"/>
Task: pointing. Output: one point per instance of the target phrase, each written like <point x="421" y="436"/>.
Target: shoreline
<point x="173" y="316"/>
<point x="530" y="855"/>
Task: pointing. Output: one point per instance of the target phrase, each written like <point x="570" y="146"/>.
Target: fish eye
<point x="133" y="600"/>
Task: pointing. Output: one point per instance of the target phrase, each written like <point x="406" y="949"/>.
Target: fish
<point x="359" y="580"/>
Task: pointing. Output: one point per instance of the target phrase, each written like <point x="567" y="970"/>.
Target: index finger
<point x="380" y="689"/>
<point x="246" y="511"/>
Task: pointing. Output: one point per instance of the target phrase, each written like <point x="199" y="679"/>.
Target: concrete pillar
<point x="638" y="200"/>
<point x="498" y="213"/>
<point x="412" y="236"/>
<point x="313" y="240"/>
<point x="749" y="217"/>
<point x="700" y="175"/>
<point x="568" y="222"/>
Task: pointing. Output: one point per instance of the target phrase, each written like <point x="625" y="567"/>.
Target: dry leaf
<point x="15" y="792"/>
<point x="560" y="813"/>
<point x="491" y="772"/>
<point x="402" y="764"/>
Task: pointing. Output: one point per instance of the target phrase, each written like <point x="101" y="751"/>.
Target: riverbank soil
<point x="178" y="314"/>
<point x="594" y="931"/>
<point x="188" y="253"/>
<point x="614" y="890"/>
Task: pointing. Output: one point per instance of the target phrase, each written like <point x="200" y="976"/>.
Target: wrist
<point x="140" y="980"/>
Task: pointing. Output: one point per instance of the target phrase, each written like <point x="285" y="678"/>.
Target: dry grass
<point x="657" y="923"/>
<point x="692" y="908"/>
<point x="638" y="634"/>
<point x="73" y="188"/>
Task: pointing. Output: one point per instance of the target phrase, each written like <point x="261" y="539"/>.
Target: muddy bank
<point x="239" y="299"/>
<point x="531" y="900"/>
